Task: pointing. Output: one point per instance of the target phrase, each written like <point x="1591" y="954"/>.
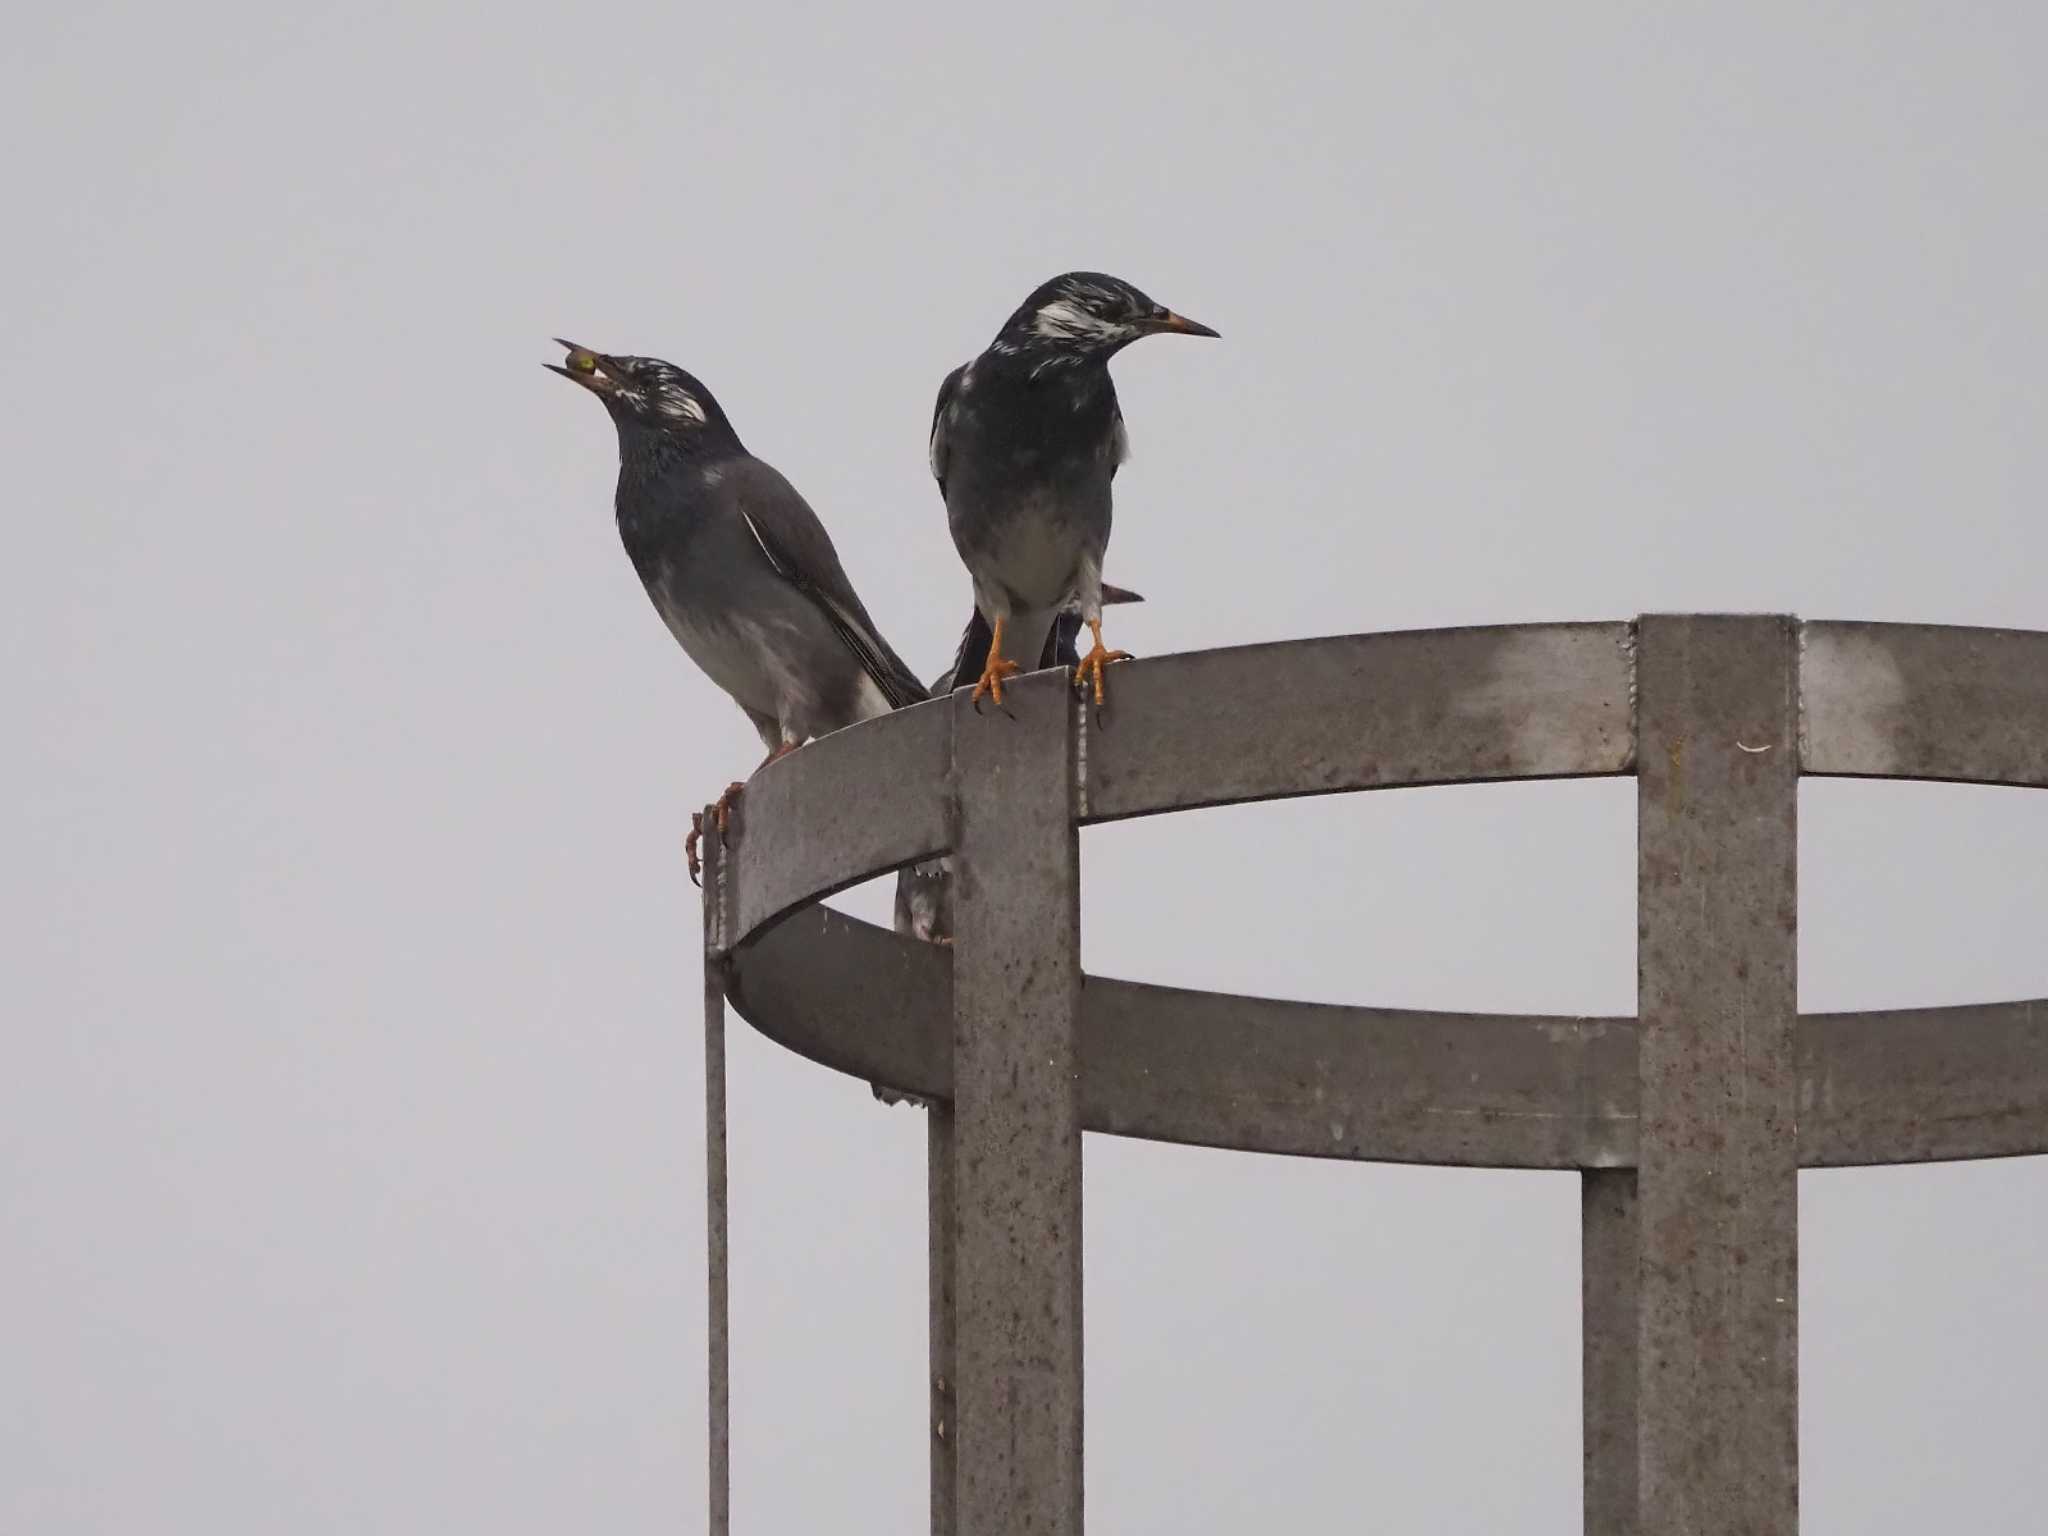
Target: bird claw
<point x="1091" y="665"/>
<point x="991" y="680"/>
<point x="721" y="818"/>
<point x="721" y="808"/>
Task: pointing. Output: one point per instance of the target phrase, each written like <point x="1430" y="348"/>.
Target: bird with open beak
<point x="738" y="565"/>
<point x="1025" y="441"/>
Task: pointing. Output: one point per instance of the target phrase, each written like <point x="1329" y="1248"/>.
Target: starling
<point x="737" y="563"/>
<point x="1025" y="441"/>
<point x="924" y="892"/>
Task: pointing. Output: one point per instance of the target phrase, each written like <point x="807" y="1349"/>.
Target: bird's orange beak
<point x="1178" y="324"/>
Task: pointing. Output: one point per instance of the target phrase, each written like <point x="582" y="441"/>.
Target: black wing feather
<point x="800" y="551"/>
<point x="940" y="448"/>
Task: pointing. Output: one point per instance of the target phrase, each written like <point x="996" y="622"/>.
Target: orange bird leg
<point x="721" y="808"/>
<point x="1097" y="658"/>
<point x="690" y="846"/>
<point x="995" y="669"/>
<point x="721" y="811"/>
<point x="721" y="817"/>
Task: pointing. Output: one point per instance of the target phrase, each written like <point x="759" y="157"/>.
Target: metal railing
<point x="1688" y="1123"/>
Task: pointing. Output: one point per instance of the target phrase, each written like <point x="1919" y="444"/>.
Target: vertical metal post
<point x="1607" y="1290"/>
<point x="939" y="1144"/>
<point x="1016" y="1117"/>
<point x="719" y="1423"/>
<point x="1717" y="1181"/>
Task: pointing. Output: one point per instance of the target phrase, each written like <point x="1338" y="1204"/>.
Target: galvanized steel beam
<point x="1690" y="1126"/>
<point x="1260" y="1074"/>
<point x="939" y="1220"/>
<point x="1717" y="1195"/>
<point x="1451" y="706"/>
<point x="1351" y="712"/>
<point x="1016" y="1218"/>
<point x="1925" y="701"/>
<point x="1426" y="706"/>
<point x="718" y="1371"/>
<point x="1607" y="1349"/>
<point x="849" y="805"/>
<point x="1918" y="1085"/>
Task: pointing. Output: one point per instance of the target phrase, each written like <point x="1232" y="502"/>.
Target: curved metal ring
<point x="1260" y="1074"/>
<point x="1256" y="722"/>
<point x="1378" y="711"/>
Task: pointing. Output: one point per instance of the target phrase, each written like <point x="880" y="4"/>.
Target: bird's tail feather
<point x="899" y="685"/>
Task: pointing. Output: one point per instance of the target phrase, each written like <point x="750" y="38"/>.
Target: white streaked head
<point x="663" y="390"/>
<point x="1067" y="319"/>
<point x="649" y="393"/>
<point x="1086" y="314"/>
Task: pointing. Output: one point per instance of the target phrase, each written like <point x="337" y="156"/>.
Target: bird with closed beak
<point x="738" y="565"/>
<point x="1025" y="441"/>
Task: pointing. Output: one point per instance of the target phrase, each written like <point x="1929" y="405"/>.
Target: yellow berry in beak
<point x="583" y="362"/>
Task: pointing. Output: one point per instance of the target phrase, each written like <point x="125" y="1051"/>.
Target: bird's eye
<point x="583" y="362"/>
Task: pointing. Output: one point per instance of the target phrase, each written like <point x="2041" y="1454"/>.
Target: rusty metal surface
<point x="939" y="1256"/>
<point x="853" y="997"/>
<point x="1717" y="1193"/>
<point x="1607" y="1349"/>
<point x="1212" y="1069"/>
<point x="1358" y="1083"/>
<point x="1016" y="1232"/>
<point x="1269" y="1075"/>
<point x="849" y="805"/>
<point x="1304" y="717"/>
<point x="1356" y="712"/>
<point x="1361" y="712"/>
<point x="1689" y="1129"/>
<point x="1925" y="701"/>
<point x="1924" y="1084"/>
<point x="716" y="1267"/>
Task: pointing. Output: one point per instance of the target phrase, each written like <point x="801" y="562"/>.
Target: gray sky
<point x="350" y="1138"/>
